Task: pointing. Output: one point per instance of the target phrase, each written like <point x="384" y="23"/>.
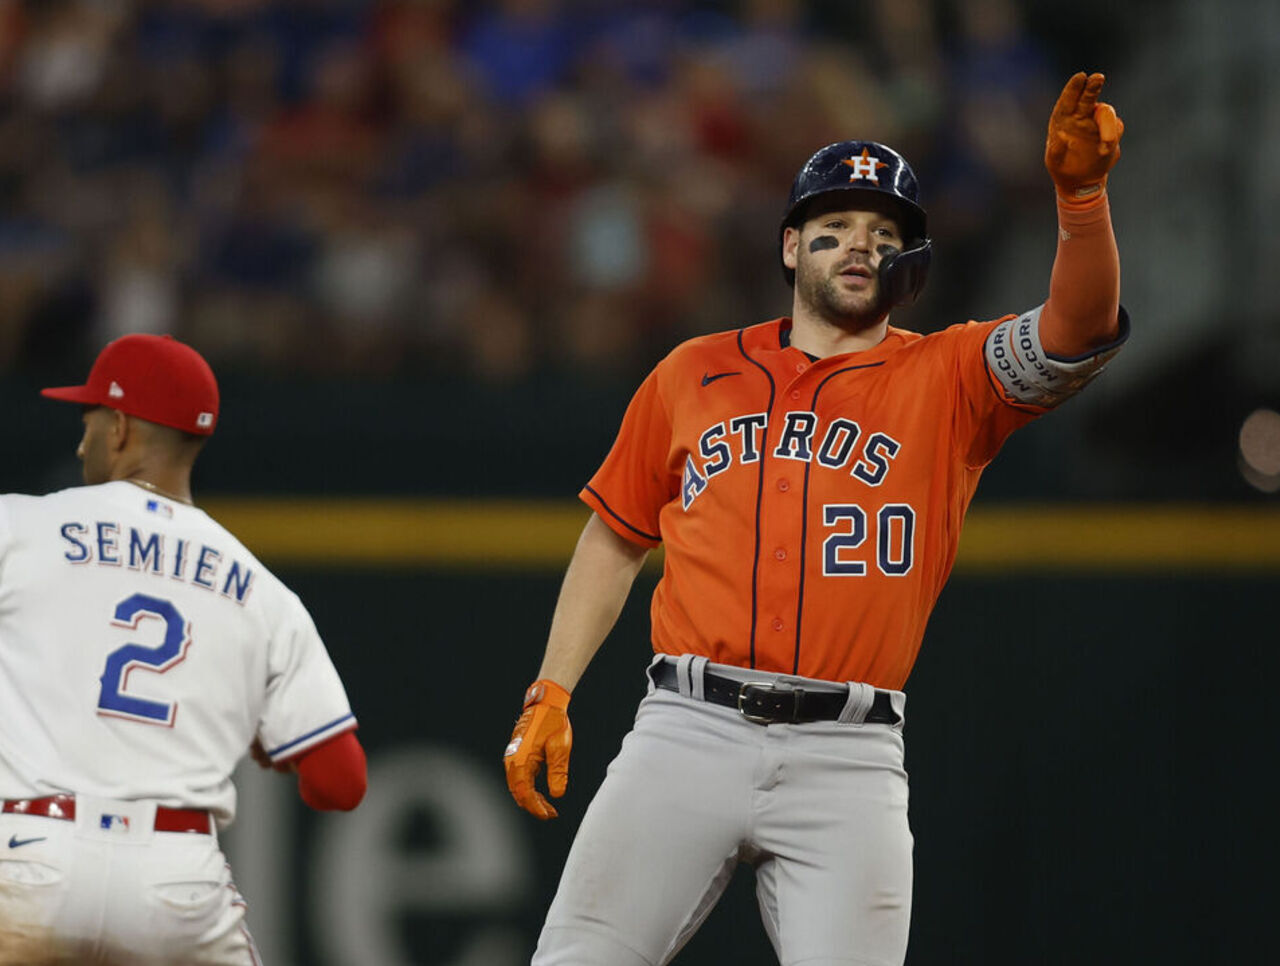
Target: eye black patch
<point x="823" y="242"/>
<point x="884" y="251"/>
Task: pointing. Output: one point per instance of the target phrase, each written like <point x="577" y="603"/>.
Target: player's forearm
<point x="596" y="585"/>
<point x="1083" y="308"/>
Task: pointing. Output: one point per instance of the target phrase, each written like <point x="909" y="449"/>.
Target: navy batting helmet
<point x="866" y="166"/>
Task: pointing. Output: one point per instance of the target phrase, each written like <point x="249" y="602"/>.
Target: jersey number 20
<point x="130" y="612"/>
<point x="895" y="539"/>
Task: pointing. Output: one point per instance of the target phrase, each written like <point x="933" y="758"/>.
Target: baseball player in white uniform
<point x="143" y="650"/>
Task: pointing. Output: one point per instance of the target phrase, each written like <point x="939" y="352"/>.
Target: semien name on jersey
<point x="107" y="544"/>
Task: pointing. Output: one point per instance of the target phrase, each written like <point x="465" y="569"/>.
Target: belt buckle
<point x="768" y="686"/>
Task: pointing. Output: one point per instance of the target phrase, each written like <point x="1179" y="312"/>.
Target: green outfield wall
<point x="1090" y="732"/>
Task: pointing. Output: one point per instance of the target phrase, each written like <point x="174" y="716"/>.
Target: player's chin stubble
<point x="851" y="311"/>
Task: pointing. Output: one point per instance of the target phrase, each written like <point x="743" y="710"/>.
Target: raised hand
<point x="1084" y="138"/>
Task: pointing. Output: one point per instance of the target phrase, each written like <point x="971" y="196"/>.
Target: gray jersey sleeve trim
<point x="1029" y="374"/>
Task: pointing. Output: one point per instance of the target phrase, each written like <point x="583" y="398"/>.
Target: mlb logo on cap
<point x="153" y="377"/>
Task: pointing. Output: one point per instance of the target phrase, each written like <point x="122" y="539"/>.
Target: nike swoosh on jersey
<point x="17" y="843"/>
<point x="708" y="379"/>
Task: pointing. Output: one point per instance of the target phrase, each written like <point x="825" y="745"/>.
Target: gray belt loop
<point x="857" y="704"/>
<point x="683" y="676"/>
<point x="657" y="659"/>
<point x="696" y="667"/>
<point x="898" y="699"/>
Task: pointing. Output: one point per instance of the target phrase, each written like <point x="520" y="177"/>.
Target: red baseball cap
<point x="153" y="377"/>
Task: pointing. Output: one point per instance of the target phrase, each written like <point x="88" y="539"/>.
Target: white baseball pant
<point x="819" y="809"/>
<point x="106" y="887"/>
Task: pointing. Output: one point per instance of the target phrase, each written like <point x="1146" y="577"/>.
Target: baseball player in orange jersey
<point x="808" y="478"/>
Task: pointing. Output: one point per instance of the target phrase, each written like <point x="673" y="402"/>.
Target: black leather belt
<point x="767" y="703"/>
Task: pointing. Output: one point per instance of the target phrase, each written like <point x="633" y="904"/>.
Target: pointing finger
<point x="1089" y="96"/>
<point x="1070" y="95"/>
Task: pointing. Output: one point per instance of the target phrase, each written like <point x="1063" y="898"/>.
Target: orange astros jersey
<point x="810" y="511"/>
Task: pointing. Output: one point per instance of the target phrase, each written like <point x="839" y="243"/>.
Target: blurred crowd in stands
<point x="493" y="188"/>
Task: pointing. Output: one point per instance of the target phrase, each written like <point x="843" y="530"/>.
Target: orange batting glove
<point x="542" y="732"/>
<point x="1084" y="139"/>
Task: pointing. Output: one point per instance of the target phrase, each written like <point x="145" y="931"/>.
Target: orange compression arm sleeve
<point x="333" y="776"/>
<point x="1083" y="309"/>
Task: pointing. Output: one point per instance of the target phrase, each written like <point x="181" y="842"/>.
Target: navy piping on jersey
<point x="764" y="453"/>
<point x="613" y="513"/>
<point x="804" y="511"/>
<point x="310" y="734"/>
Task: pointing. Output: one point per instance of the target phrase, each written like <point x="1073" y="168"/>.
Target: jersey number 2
<point x="130" y="612"/>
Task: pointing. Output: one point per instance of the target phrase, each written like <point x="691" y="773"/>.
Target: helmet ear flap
<point x="903" y="274"/>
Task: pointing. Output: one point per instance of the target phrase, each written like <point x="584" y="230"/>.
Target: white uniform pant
<point x="819" y="809"/>
<point x="75" y="892"/>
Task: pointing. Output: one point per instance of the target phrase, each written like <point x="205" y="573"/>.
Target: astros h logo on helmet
<point x="865" y="166"/>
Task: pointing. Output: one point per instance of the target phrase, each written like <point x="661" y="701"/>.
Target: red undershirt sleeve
<point x="333" y="776"/>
